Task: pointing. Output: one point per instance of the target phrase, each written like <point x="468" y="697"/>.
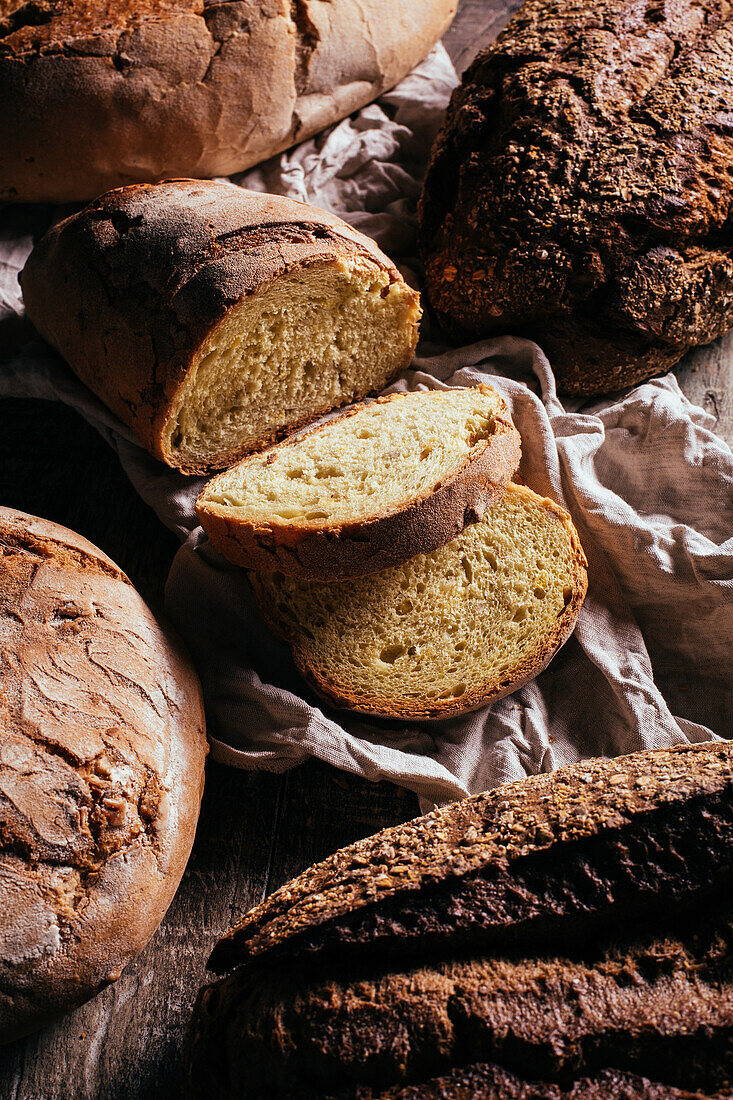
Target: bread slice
<point x="385" y="481"/>
<point x="447" y="631"/>
<point x="214" y="320"/>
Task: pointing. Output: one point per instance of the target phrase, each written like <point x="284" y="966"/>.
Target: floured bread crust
<point x="97" y="95"/>
<point x="101" y="771"/>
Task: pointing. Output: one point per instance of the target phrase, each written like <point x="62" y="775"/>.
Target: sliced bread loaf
<point x="385" y="481"/>
<point x="214" y="320"/>
<point x="389" y="966"/>
<point x="447" y="631"/>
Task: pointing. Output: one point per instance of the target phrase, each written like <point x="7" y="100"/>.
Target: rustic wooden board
<point x="256" y="830"/>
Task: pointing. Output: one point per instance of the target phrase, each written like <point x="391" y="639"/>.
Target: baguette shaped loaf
<point x="661" y="1007"/>
<point x="213" y="320"/>
<point x="549" y="856"/>
<point x="101" y="771"/>
<point x="100" y="94"/>
<point x="490" y="1082"/>
<point x="385" y="481"/>
<point x="638" y="846"/>
<point x="580" y="191"/>
<point x="446" y="632"/>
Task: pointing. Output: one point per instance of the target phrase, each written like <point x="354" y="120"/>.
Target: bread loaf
<point x="398" y="476"/>
<point x="213" y="320"/>
<point x="571" y="931"/>
<point x="97" y="95"/>
<point x="486" y="1082"/>
<point x="445" y="632"/>
<point x="101" y="771"/>
<point x="580" y="191"/>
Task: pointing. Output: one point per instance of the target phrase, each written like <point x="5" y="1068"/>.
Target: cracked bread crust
<point x="129" y="289"/>
<point x="334" y="551"/>
<point x="101" y="771"/>
<point x="580" y="191"/>
<point x="97" y="95"/>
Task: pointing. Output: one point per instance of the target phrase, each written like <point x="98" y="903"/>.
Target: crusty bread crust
<point x="97" y="95"/>
<point x="130" y="288"/>
<point x="581" y="188"/>
<point x="387" y="891"/>
<point x="101" y="775"/>
<point x="559" y="926"/>
<point x="318" y="551"/>
<point x="333" y="694"/>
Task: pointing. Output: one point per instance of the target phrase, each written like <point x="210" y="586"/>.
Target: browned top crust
<point x="128" y="288"/>
<point x="581" y="188"/>
<point x="537" y="856"/>
<point x="101" y="771"/>
<point x="101" y="93"/>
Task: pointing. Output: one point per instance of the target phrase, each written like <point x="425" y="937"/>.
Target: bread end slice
<point x="446" y="632"/>
<point x="384" y="481"/>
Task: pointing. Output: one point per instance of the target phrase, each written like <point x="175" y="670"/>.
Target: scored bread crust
<point x="129" y="289"/>
<point x="101" y="771"/>
<point x="336" y="696"/>
<point x="315" y="550"/>
<point x="100" y="94"/>
<point x="638" y="847"/>
<point x="409" y="887"/>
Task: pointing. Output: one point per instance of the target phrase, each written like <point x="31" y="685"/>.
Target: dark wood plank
<point x="324" y="809"/>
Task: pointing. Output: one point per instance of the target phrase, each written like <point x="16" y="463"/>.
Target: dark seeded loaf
<point x="660" y="1007"/>
<point x="559" y="929"/>
<point x="580" y="190"/>
<point x="548" y="856"/>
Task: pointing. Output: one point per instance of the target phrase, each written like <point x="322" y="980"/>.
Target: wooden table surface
<point x="256" y="830"/>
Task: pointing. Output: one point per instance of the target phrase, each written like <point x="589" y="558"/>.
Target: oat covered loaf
<point x="102" y="753"/>
<point x="571" y="931"/>
<point x="100" y="94"/>
<point x="580" y="190"/>
<point x="384" y="481"/>
<point x="445" y="632"/>
<point x="213" y="320"/>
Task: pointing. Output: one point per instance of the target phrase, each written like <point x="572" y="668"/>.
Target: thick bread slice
<point x="546" y="858"/>
<point x="660" y="1006"/>
<point x="214" y="320"/>
<point x="385" y="481"/>
<point x="448" y="631"/>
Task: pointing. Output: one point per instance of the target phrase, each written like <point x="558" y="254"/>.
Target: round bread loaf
<point x="213" y="320"/>
<point x="581" y="189"/>
<point x="99" y="94"/>
<point x="101" y="771"/>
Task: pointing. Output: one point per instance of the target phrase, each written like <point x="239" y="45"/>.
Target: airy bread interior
<point x="446" y="630"/>
<point x="311" y="340"/>
<point x="362" y="465"/>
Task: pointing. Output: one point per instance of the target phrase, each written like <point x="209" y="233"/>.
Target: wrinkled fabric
<point x="647" y="482"/>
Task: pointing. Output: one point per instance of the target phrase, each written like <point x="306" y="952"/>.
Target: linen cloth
<point x="648" y="484"/>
